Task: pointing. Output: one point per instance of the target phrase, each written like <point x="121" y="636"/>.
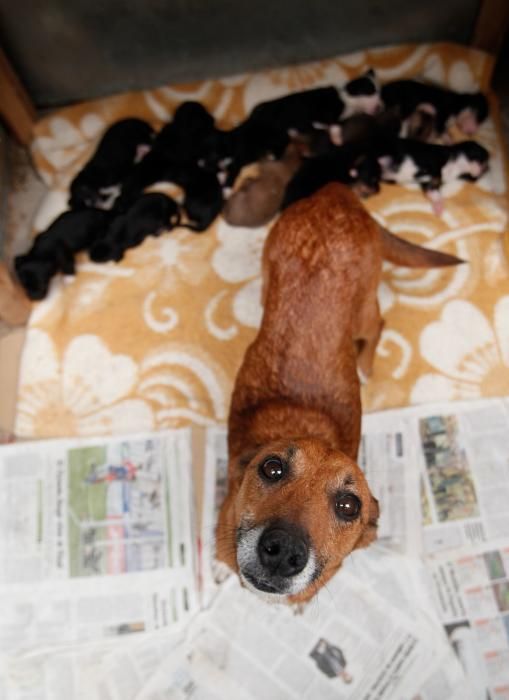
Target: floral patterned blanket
<point x="156" y="340"/>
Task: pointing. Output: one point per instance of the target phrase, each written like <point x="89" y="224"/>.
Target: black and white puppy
<point x="268" y="128"/>
<point x="466" y="110"/>
<point x="122" y="145"/>
<point x="150" y="215"/>
<point x="53" y="250"/>
<point x="405" y="161"/>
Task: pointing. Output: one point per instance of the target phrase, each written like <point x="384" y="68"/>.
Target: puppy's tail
<point x="401" y="252"/>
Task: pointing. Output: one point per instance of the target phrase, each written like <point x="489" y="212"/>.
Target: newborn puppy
<point x="431" y="165"/>
<point x="150" y="215"/>
<point x="203" y="199"/>
<point x="227" y="152"/>
<point x="466" y="110"/>
<point x="420" y="125"/>
<point x="346" y="164"/>
<point x="267" y="128"/>
<point x="177" y="147"/>
<point x="320" y="106"/>
<point x="363" y="129"/>
<point x="123" y="144"/>
<point x="259" y="199"/>
<point x="53" y="250"/>
<point x="180" y="141"/>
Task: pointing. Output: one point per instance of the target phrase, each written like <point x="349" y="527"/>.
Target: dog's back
<point x="322" y="262"/>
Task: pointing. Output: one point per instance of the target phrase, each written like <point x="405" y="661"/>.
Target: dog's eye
<point x="348" y="506"/>
<point x="272" y="469"/>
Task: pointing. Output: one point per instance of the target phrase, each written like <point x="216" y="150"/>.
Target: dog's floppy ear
<point x="369" y="534"/>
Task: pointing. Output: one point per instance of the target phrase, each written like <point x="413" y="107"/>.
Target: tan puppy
<point x="14" y="305"/>
<point x="259" y="199"/>
<point x="297" y="502"/>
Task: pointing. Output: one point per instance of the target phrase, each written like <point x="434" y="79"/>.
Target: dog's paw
<point x="363" y="377"/>
<point x="220" y="571"/>
<point x="298" y="608"/>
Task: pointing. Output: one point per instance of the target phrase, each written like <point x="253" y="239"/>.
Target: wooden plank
<point x="491" y="25"/>
<point x="16" y="107"/>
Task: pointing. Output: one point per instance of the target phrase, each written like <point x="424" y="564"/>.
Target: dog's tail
<point x="401" y="252"/>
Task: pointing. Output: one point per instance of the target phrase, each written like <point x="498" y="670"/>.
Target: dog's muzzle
<point x="275" y="558"/>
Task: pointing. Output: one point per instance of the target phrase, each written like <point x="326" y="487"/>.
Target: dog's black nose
<point x="282" y="551"/>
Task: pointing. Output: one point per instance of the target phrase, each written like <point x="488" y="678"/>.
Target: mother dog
<point x="297" y="503"/>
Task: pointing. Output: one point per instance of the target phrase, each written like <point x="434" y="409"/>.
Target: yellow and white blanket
<point x="156" y="340"/>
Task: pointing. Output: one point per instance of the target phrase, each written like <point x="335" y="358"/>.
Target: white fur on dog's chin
<point x="266" y="597"/>
<point x="247" y="558"/>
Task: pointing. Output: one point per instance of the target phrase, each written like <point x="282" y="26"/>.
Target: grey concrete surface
<point x="68" y="50"/>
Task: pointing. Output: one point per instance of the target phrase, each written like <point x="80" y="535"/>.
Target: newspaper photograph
<point x="463" y="461"/>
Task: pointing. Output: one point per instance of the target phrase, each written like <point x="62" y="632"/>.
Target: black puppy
<point x="122" y="145"/>
<point x="53" y="250"/>
<point x="405" y="161"/>
<point x="150" y="215"/>
<point x="349" y="164"/>
<point x="467" y="110"/>
<point x="203" y="199"/>
<point x="177" y="148"/>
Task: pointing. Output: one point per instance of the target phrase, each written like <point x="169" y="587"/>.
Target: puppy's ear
<point x="369" y="534"/>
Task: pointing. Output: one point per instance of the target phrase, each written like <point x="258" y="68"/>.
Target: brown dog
<point x="297" y="502"/>
<point x="259" y="199"/>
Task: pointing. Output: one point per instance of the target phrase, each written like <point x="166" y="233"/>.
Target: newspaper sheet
<point x="463" y="458"/>
<point x="471" y="593"/>
<point x="108" y="670"/>
<point x="440" y="472"/>
<point x="96" y="539"/>
<point x="387" y="457"/>
<point x="215" y="487"/>
<point x="350" y="642"/>
<point x="97" y="542"/>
